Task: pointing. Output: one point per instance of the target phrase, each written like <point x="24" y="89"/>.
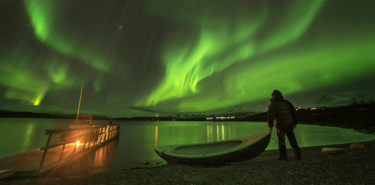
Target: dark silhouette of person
<point x="282" y="113"/>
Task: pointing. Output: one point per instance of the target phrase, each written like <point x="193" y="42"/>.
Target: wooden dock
<point x="34" y="162"/>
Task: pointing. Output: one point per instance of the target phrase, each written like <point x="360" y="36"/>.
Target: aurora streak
<point x="138" y="58"/>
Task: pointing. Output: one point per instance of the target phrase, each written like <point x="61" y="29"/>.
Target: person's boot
<point x="297" y="153"/>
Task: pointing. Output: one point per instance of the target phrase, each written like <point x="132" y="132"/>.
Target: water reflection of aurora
<point x="205" y="132"/>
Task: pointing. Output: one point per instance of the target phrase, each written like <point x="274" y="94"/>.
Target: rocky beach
<point x="351" y="166"/>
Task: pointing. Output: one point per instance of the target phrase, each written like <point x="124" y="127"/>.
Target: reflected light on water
<point x="230" y="135"/>
<point x="217" y="133"/>
<point x="156" y="133"/>
<point x="223" y="132"/>
<point x="303" y="138"/>
<point x="100" y="154"/>
<point x="29" y="130"/>
<point x="234" y="131"/>
<point x="209" y="133"/>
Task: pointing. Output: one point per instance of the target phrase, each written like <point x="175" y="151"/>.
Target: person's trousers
<point x="292" y="141"/>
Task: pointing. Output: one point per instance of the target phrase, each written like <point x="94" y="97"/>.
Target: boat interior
<point x="207" y="148"/>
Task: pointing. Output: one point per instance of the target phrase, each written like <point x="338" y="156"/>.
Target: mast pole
<point x="79" y="104"/>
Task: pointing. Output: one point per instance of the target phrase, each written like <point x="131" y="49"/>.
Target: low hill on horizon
<point x="345" y="98"/>
<point x="25" y="114"/>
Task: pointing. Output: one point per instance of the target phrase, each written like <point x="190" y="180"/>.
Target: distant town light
<point x="221" y="117"/>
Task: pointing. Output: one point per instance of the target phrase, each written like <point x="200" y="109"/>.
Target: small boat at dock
<point x="234" y="150"/>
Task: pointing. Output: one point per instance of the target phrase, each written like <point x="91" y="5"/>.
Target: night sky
<point x="165" y="57"/>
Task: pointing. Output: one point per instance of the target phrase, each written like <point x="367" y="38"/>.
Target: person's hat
<point x="276" y="92"/>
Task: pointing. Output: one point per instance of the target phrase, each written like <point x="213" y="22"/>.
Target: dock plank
<point x="29" y="162"/>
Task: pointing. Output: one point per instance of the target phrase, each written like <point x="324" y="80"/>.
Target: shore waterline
<point x="134" y="147"/>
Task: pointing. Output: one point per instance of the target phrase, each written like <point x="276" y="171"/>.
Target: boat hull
<point x="247" y="153"/>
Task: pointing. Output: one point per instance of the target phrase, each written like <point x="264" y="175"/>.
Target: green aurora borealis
<point x="141" y="58"/>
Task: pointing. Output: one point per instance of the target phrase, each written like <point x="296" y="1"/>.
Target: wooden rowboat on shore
<point x="234" y="150"/>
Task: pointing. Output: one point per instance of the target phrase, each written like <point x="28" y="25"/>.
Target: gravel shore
<point x="353" y="166"/>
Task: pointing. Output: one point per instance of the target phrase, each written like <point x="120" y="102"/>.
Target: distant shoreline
<point x="12" y="114"/>
<point x="358" y="117"/>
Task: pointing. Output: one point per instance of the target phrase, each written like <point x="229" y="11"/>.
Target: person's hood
<point x="277" y="97"/>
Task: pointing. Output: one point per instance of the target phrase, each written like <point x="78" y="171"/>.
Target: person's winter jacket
<point x="283" y="111"/>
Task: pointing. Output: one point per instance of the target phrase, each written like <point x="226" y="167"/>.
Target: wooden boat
<point x="234" y="150"/>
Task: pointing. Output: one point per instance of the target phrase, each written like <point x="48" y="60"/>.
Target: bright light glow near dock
<point x="77" y="142"/>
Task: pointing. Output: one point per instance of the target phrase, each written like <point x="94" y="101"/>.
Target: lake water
<point x="134" y="147"/>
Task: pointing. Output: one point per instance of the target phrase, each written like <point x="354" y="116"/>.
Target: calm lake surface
<point x="134" y="147"/>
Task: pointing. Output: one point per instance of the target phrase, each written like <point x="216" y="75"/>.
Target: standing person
<point x="282" y="113"/>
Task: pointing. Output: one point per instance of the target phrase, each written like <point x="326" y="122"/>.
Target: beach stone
<point x="357" y="145"/>
<point x="332" y="150"/>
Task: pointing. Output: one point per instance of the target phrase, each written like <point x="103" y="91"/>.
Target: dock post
<point x="89" y="140"/>
<point x="97" y="140"/>
<point x="84" y="143"/>
<point x="107" y="134"/>
<point x="99" y="136"/>
<point x="62" y="152"/>
<point x="44" y="154"/>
